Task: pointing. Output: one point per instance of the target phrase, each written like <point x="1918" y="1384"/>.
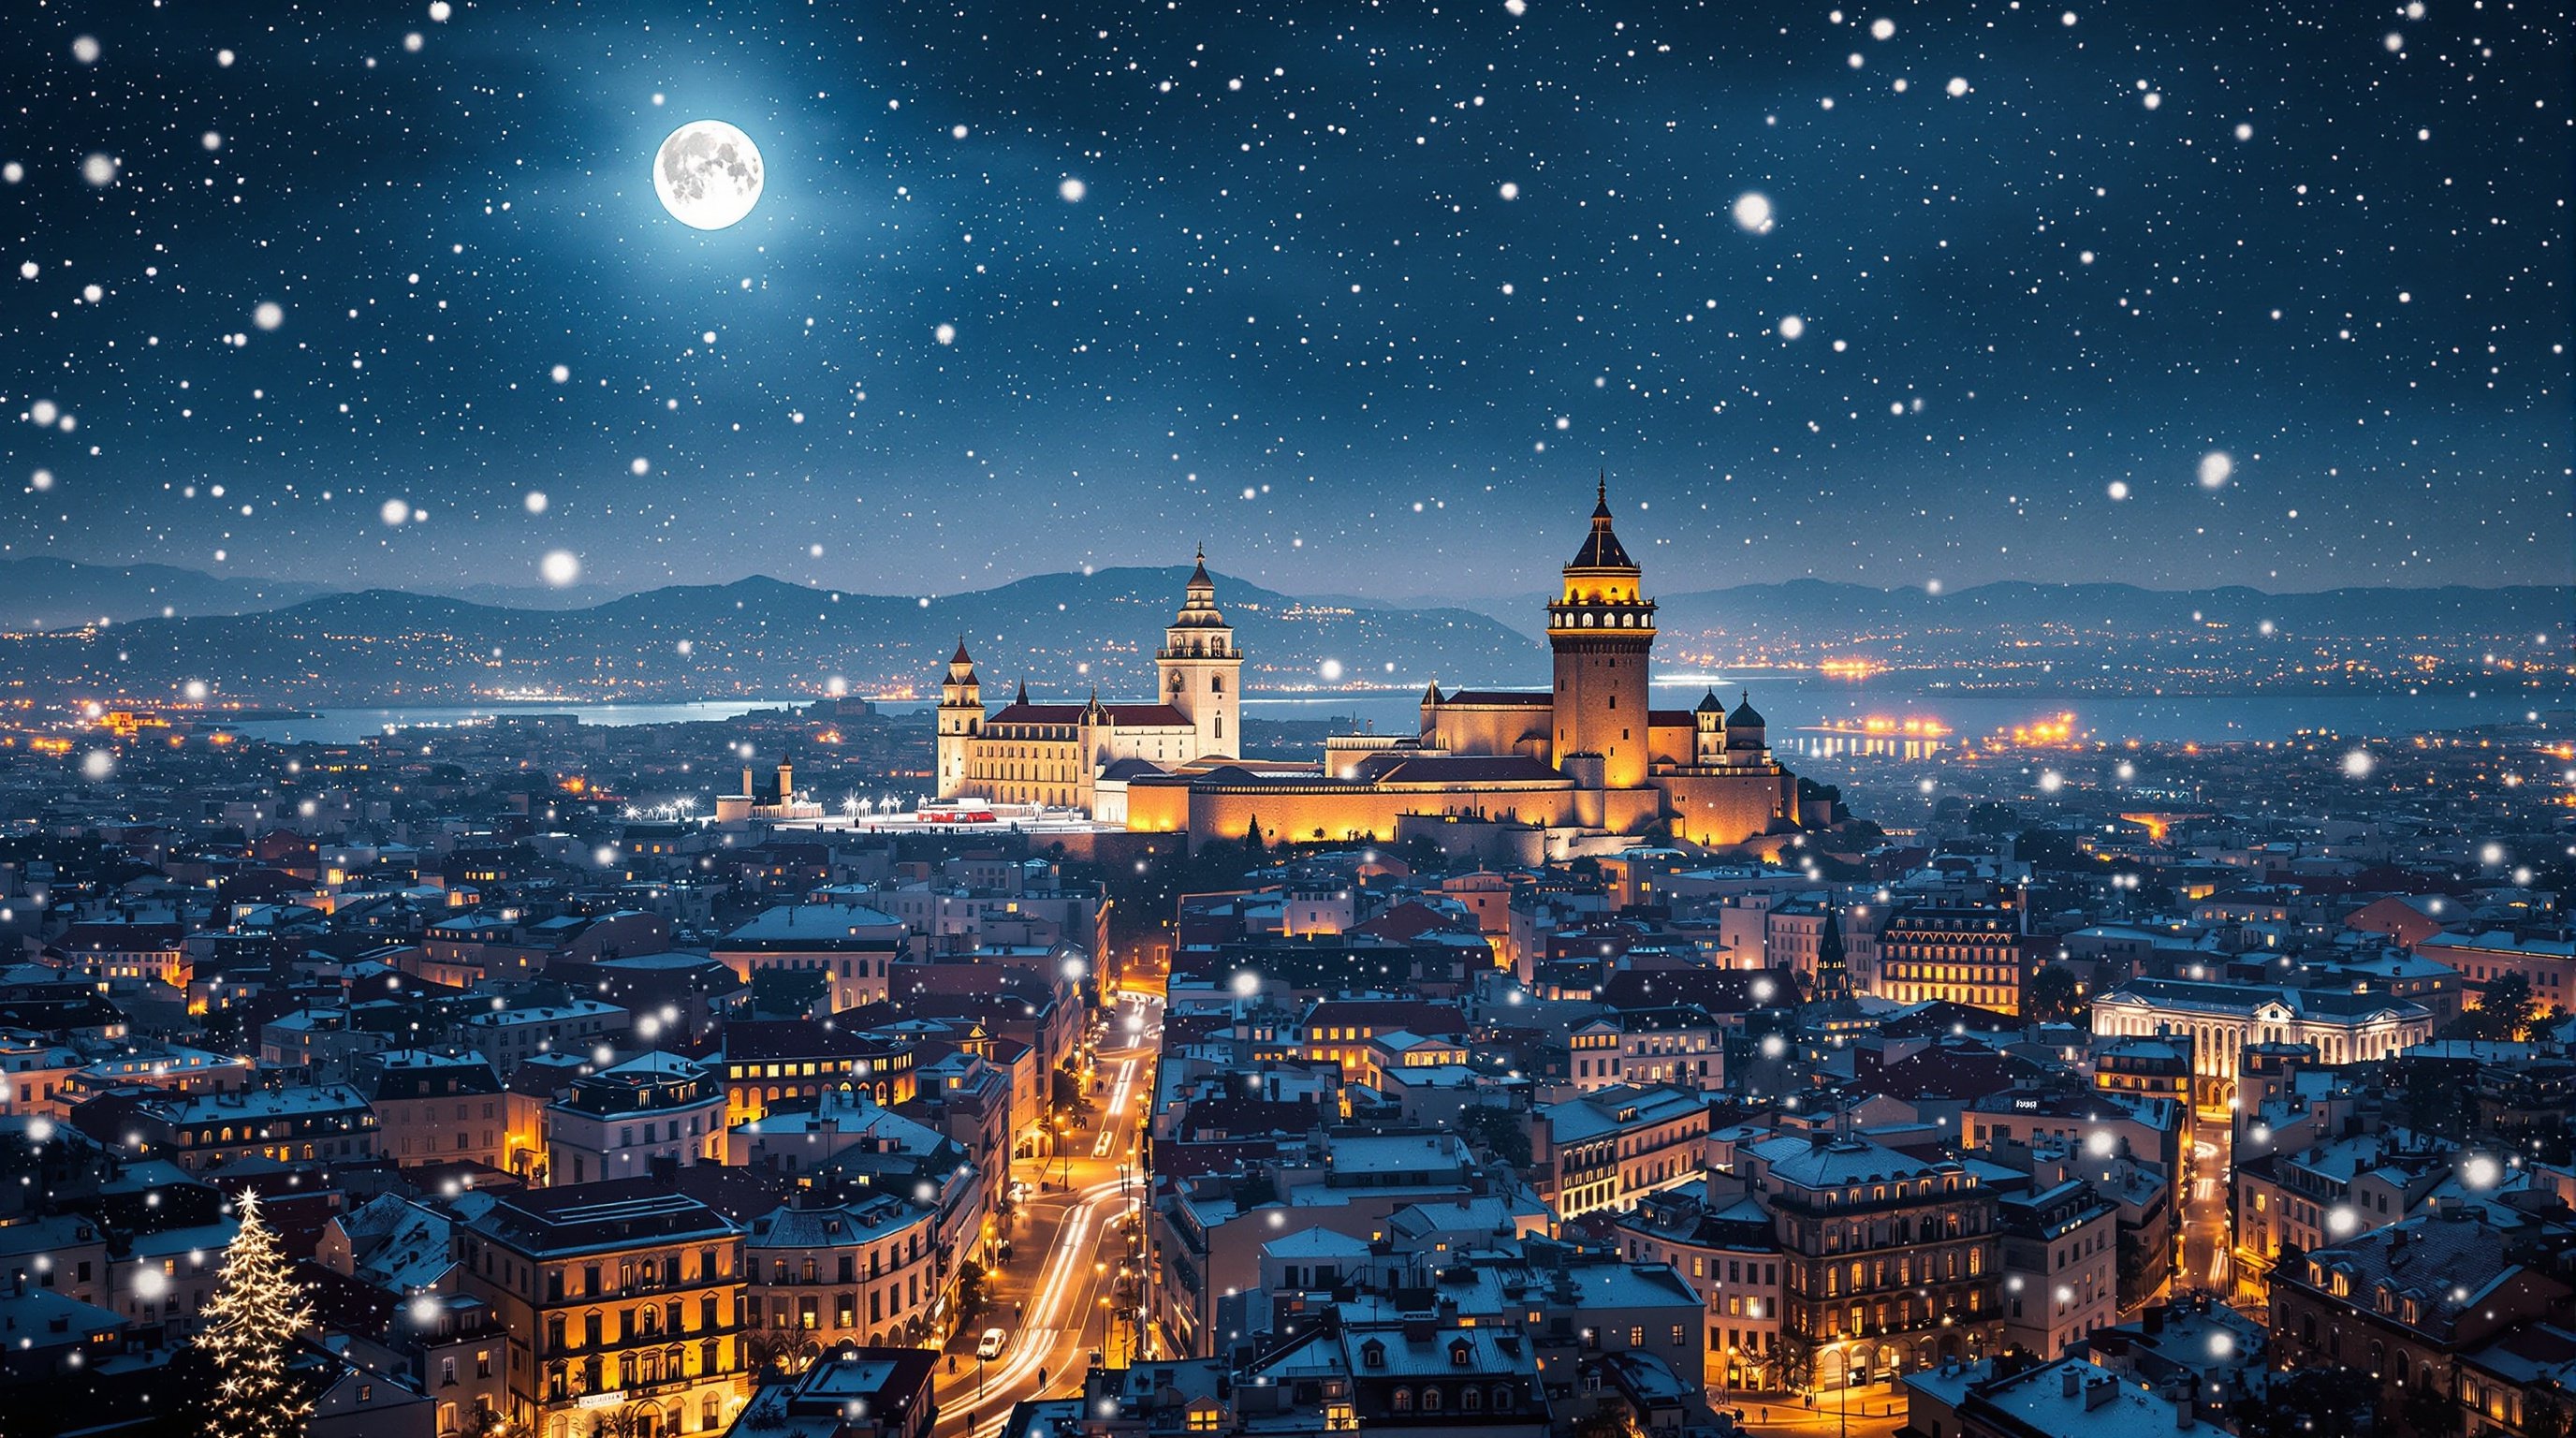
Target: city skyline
<point x="1244" y="279"/>
<point x="1535" y="718"/>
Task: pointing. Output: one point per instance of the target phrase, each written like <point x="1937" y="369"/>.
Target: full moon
<point x="708" y="174"/>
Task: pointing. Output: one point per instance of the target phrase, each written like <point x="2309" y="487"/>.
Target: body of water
<point x="1793" y="702"/>
<point x="346" y="726"/>
<point x="1789" y="702"/>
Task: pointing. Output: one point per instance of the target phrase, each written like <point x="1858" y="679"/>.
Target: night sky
<point x="1360" y="296"/>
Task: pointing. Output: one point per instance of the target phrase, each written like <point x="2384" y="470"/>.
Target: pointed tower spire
<point x="1833" y="971"/>
<point x="1601" y="495"/>
<point x="1024" y="692"/>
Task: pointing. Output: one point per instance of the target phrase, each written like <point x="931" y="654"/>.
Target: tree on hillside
<point x="251" y="1327"/>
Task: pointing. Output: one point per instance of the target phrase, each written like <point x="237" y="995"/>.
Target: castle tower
<point x="1745" y="731"/>
<point x="1708" y="730"/>
<point x="1202" y="670"/>
<point x="961" y="719"/>
<point x="1602" y="628"/>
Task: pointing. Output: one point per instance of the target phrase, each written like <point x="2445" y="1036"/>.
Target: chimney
<point x="2099" y="1391"/>
<point x="2070" y="1381"/>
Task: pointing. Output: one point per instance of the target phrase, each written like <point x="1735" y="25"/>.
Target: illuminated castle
<point x="1056" y="754"/>
<point x="1588" y="756"/>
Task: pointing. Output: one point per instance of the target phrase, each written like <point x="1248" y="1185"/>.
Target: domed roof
<point x="1709" y="703"/>
<point x="1745" y="714"/>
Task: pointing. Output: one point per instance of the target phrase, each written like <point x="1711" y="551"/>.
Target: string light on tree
<point x="250" y="1332"/>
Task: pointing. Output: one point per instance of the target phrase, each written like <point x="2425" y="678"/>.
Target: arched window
<point x="1471" y="1399"/>
<point x="1431" y="1400"/>
<point x="1402" y="1401"/>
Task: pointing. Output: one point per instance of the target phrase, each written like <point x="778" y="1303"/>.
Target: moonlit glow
<point x="708" y="174"/>
<point x="560" y="568"/>
<point x="1753" y="212"/>
<point x="2215" y="467"/>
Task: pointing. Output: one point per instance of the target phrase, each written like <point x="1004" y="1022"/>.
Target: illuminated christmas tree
<point x="251" y="1324"/>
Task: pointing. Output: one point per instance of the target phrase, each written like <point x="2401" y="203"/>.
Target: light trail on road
<point x="1060" y="1308"/>
<point x="1117" y="1109"/>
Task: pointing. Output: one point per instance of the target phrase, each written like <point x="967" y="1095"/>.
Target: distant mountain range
<point x="44" y="593"/>
<point x="1063" y="633"/>
<point x="298" y="643"/>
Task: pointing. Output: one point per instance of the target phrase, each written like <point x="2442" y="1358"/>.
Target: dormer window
<point x="1373" y="1354"/>
<point x="1460" y="1351"/>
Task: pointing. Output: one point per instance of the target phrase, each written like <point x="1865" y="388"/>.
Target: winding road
<point x="1061" y="1315"/>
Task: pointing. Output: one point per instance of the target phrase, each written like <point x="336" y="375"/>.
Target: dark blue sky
<point x="1294" y="313"/>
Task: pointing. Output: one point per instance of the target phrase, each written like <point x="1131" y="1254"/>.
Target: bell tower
<point x="961" y="720"/>
<point x="1602" y="629"/>
<point x="1201" y="670"/>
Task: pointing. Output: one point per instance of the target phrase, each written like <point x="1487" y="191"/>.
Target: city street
<point x="1054" y="1297"/>
<point x="2204" y="1211"/>
<point x="1874" y="1410"/>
